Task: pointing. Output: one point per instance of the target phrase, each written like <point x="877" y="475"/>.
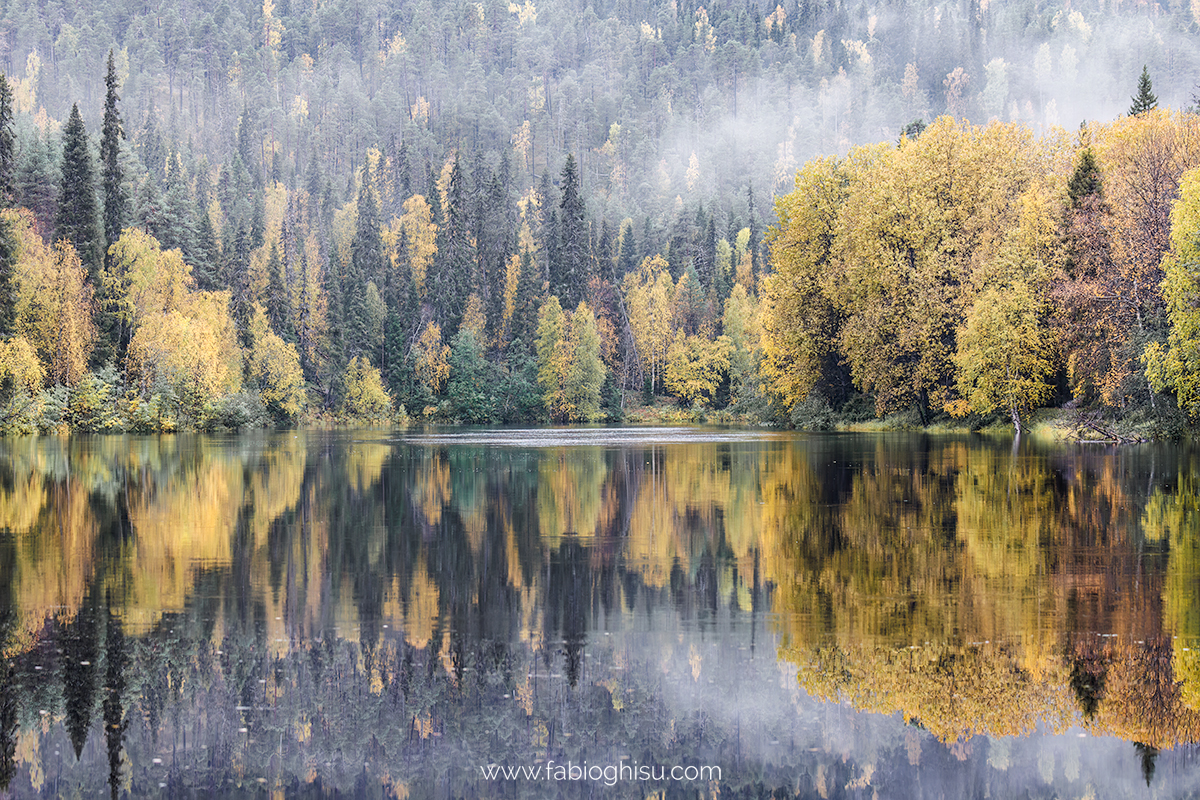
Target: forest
<point x="482" y="213"/>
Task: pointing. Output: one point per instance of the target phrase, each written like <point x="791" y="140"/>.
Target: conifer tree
<point x="8" y="244"/>
<point x="208" y="254"/>
<point x="77" y="221"/>
<point x="755" y="236"/>
<point x="8" y="288"/>
<point x="115" y="202"/>
<point x="8" y="144"/>
<point x="1144" y="100"/>
<point x="627" y="261"/>
<point x="1085" y="180"/>
<point x="453" y="277"/>
<point x="571" y="277"/>
<point x="366" y="266"/>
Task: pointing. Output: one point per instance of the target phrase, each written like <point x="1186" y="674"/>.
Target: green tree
<point x="1145" y="99"/>
<point x="8" y="144"/>
<point x="112" y="176"/>
<point x="77" y="221"/>
<point x="570" y="270"/>
<point x="468" y="389"/>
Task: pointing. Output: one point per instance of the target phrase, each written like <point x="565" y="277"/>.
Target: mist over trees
<point x="363" y="206"/>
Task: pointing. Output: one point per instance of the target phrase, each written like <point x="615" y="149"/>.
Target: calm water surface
<point x="397" y="614"/>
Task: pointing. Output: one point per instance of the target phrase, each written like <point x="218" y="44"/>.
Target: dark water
<point x="678" y="613"/>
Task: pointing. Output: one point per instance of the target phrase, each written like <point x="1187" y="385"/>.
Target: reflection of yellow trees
<point x="954" y="692"/>
<point x="570" y="491"/>
<point x="431" y="488"/>
<point x="55" y="556"/>
<point x="179" y="524"/>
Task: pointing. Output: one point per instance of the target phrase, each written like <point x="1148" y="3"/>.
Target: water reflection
<point x="315" y="612"/>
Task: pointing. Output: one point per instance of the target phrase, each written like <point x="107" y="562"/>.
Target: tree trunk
<point x="1016" y="417"/>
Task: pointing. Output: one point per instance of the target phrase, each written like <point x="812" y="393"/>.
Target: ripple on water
<point x="590" y="437"/>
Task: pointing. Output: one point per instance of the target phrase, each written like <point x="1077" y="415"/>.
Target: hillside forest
<point x="495" y="213"/>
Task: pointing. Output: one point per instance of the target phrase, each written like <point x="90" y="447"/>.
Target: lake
<point x="679" y="612"/>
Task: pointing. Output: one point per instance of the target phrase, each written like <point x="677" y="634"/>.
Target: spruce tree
<point x="8" y="287"/>
<point x="627" y="260"/>
<point x="8" y="244"/>
<point x="77" y="221"/>
<point x="116" y="204"/>
<point x="8" y="144"/>
<point x="570" y="279"/>
<point x="1145" y="99"/>
<point x="455" y="260"/>
<point x="366" y="266"/>
<point x="755" y="235"/>
<point x="1085" y="180"/>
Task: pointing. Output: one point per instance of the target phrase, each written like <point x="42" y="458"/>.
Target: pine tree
<point x="8" y="144"/>
<point x="116" y="204"/>
<point x="77" y="221"/>
<point x="1144" y="100"/>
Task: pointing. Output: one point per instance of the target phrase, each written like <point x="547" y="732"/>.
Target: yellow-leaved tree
<point x="54" y="302"/>
<point x="184" y="343"/>
<point x="916" y="222"/>
<point x="743" y="326"/>
<point x="430" y="357"/>
<point x="1004" y="353"/>
<point x="799" y="322"/>
<point x="420" y="234"/>
<point x="274" y="365"/>
<point x="696" y="365"/>
<point x="366" y="398"/>
<point x="570" y="370"/>
<point x="1177" y="365"/>
<point x="650" y="296"/>
<point x="21" y="376"/>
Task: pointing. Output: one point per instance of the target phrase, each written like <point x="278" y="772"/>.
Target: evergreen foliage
<point x="1145" y="99"/>
<point x="112" y="175"/>
<point x="77" y="221"/>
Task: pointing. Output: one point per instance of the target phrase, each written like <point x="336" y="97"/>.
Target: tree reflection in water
<point x="311" y="613"/>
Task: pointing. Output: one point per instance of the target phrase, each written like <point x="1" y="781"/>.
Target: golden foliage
<point x="431" y="358"/>
<point x="54" y="302"/>
<point x="366" y="397"/>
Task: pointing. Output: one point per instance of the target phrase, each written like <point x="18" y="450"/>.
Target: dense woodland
<point x="502" y="212"/>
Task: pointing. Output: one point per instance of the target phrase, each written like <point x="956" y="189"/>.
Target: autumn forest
<point x="500" y="213"/>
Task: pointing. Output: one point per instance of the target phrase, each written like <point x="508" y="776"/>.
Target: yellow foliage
<point x="431" y="358"/>
<point x="54" y="302"/>
<point x="366" y="396"/>
<point x="650" y="298"/>
<point x="421" y="235"/>
<point x="696" y="365"/>
<point x="192" y="350"/>
<point x="275" y="366"/>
